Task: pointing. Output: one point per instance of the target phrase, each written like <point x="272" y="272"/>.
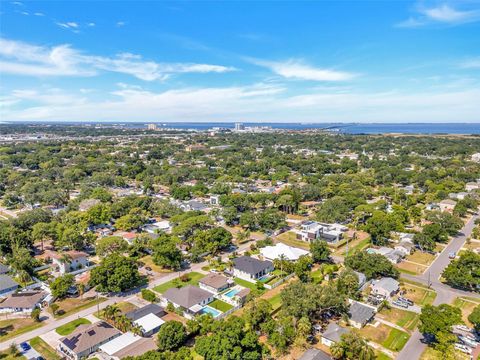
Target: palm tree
<point x="136" y="329"/>
<point x="111" y="312"/>
<point x="123" y="323"/>
<point x="81" y="289"/>
<point x="24" y="277"/>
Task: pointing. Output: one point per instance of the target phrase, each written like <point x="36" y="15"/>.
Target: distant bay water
<point x="352" y="128"/>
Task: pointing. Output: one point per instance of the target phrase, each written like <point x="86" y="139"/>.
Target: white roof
<point x="149" y="322"/>
<point x="290" y="253"/>
<point x="119" y="343"/>
<point x="165" y="224"/>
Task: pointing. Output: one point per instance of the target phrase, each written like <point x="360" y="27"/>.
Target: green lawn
<point x="406" y="319"/>
<point x="290" y="238"/>
<point x="317" y="276"/>
<point x="68" y="328"/>
<point x="251" y="286"/>
<point x="396" y="340"/>
<point x="194" y="278"/>
<point x="71" y="306"/>
<point x="5" y="355"/>
<point x="220" y="305"/>
<point x="13" y="327"/>
<point x="358" y="247"/>
<point x="43" y="348"/>
<point x="275" y="301"/>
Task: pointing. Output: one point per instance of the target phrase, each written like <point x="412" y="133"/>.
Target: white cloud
<point x="91" y="24"/>
<point x="447" y="14"/>
<point x="256" y="103"/>
<point x="70" y="25"/>
<point x="471" y="63"/>
<point x="295" y="69"/>
<point x="120" y="23"/>
<point x="24" y="59"/>
<point x="441" y="14"/>
<point x="39" y="14"/>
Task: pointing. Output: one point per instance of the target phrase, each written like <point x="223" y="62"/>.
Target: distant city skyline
<point x="232" y="61"/>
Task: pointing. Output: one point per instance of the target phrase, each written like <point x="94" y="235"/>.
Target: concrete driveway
<point x="30" y="354"/>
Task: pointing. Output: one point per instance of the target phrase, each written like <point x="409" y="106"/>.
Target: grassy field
<point x="71" y="306"/>
<point x="419" y="295"/>
<point x="290" y="238"/>
<point x="396" y="340"/>
<point x="275" y="301"/>
<point x="251" y="286"/>
<point x="147" y="260"/>
<point x="432" y="354"/>
<point x="406" y="319"/>
<point x="466" y="306"/>
<point x="421" y="258"/>
<point x="220" y="305"/>
<point x="5" y="355"/>
<point x="386" y="336"/>
<point x="70" y="327"/>
<point x="382" y="356"/>
<point x="44" y="349"/>
<point x="411" y="268"/>
<point x="14" y="327"/>
<point x="355" y="245"/>
<point x="194" y="278"/>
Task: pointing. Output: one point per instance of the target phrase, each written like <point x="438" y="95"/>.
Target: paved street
<point x="54" y="323"/>
<point x="445" y="294"/>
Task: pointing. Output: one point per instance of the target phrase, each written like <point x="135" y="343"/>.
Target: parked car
<point x="463" y="348"/>
<point x="25" y="346"/>
<point x="469" y="342"/>
<point x="408" y="301"/>
<point x="452" y="255"/>
<point x="400" y="303"/>
<point x="148" y="268"/>
<point x="462" y="328"/>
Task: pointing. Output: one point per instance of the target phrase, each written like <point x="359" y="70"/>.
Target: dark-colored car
<point x="25" y="346"/>
<point x="148" y="268"/>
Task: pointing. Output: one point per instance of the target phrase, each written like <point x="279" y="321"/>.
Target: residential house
<point x="360" y="314"/>
<point x="447" y="205"/>
<point x="315" y="354"/>
<point x="70" y="261"/>
<point x="22" y="302"/>
<point x="7" y="285"/>
<point x="251" y="269"/>
<point x="312" y="230"/>
<point x="190" y="298"/>
<point x="333" y="334"/>
<point x="129" y="237"/>
<point x="149" y="324"/>
<point x="386" y="287"/>
<point x="145" y="310"/>
<point x="470" y="186"/>
<point x="215" y="283"/>
<point x="86" y="339"/>
<point x="4" y="269"/>
<point x="280" y="250"/>
<point x="123" y="345"/>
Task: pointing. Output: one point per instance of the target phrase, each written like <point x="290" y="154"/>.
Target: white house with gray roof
<point x="251" y="269"/>
<point x="360" y="314"/>
<point x="190" y="298"/>
<point x="333" y="334"/>
<point x="386" y="286"/>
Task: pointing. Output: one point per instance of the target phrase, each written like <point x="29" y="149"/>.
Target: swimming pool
<point x="211" y="311"/>
<point x="264" y="278"/>
<point x="232" y="293"/>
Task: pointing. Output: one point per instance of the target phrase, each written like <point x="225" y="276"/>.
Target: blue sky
<point x="265" y="61"/>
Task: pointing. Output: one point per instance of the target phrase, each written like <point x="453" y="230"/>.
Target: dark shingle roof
<point x="251" y="265"/>
<point x="333" y="332"/>
<point x="315" y="354"/>
<point x="360" y="312"/>
<point x="148" y="309"/>
<point x="6" y="282"/>
<point x="187" y="296"/>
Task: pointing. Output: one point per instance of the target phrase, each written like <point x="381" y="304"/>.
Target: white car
<point x="463" y="348"/>
<point x="468" y="341"/>
<point x="462" y="328"/>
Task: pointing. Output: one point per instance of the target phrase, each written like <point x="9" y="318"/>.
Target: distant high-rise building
<point x="239" y="126"/>
<point x="152" y="126"/>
